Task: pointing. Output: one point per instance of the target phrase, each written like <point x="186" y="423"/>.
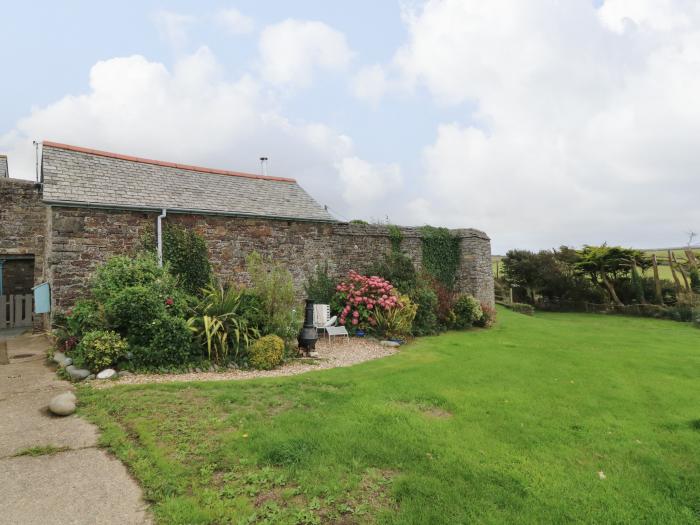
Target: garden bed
<point x="339" y="353"/>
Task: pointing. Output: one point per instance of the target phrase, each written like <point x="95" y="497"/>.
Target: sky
<point x="541" y="122"/>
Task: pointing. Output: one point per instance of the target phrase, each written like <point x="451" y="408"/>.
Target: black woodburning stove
<point x="308" y="335"/>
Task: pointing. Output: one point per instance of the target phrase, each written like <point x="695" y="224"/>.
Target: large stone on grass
<point x="77" y="374"/>
<point x="63" y="404"/>
<point x="59" y="358"/>
<point x="107" y="373"/>
<point x="390" y="344"/>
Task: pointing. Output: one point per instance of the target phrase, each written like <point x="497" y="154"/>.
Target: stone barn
<point x="90" y="205"/>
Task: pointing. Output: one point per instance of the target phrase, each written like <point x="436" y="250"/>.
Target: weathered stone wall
<point x="23" y="224"/>
<point x="82" y="238"/>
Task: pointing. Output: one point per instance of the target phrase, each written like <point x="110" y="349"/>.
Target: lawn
<point x="554" y="418"/>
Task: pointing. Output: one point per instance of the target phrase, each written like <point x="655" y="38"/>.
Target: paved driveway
<point x="81" y="485"/>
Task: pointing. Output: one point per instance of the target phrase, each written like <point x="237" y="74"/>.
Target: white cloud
<point x="370" y="84"/>
<point x="192" y="114"/>
<point x="234" y="21"/>
<point x="365" y="184"/>
<point x="583" y="131"/>
<point x="659" y="15"/>
<point x="173" y="27"/>
<point x="291" y="50"/>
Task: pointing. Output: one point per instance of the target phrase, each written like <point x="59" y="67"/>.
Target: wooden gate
<point x="16" y="311"/>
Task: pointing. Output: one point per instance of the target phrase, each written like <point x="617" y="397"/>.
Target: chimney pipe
<point x="263" y="166"/>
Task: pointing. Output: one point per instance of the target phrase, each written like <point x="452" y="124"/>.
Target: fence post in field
<point x="511" y="294"/>
<point x="673" y="272"/>
<point x="680" y="269"/>
<point x="657" y="283"/>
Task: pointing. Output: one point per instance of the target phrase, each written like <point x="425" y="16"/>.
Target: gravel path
<point x="340" y="353"/>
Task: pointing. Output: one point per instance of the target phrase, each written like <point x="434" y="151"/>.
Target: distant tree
<point x="521" y="268"/>
<point x="607" y="264"/>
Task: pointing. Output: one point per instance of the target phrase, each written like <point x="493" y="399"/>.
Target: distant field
<point x="661" y="255"/>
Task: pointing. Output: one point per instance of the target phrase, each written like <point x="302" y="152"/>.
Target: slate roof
<point x="80" y="176"/>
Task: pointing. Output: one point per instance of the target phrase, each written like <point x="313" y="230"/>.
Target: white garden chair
<point x="333" y="330"/>
<point x="322" y="313"/>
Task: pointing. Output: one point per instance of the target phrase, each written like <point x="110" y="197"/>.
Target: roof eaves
<point x="106" y="206"/>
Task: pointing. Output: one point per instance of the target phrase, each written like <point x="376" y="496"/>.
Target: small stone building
<point x="92" y="204"/>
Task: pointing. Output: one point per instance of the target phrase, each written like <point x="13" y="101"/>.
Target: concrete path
<point x="80" y="485"/>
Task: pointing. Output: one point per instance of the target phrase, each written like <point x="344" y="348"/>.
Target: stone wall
<point x="82" y="238"/>
<point x="23" y="219"/>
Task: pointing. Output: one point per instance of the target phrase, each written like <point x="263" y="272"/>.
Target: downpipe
<point x="159" y="235"/>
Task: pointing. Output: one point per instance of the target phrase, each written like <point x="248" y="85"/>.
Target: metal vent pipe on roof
<point x="263" y="166"/>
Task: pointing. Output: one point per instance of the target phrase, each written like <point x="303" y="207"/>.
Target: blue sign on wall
<point x="42" y="298"/>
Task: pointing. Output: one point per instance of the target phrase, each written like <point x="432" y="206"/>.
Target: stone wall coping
<point x="9" y="181"/>
<point x="407" y="231"/>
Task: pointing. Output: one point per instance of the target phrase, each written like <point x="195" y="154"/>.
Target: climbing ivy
<point x="441" y="254"/>
<point x="186" y="252"/>
<point x="395" y="237"/>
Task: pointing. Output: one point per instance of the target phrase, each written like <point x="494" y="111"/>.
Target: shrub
<point x="186" y="255"/>
<point x="522" y="308"/>
<point x="169" y="342"/>
<point x="467" y="311"/>
<point x="86" y="316"/>
<point x="359" y="297"/>
<point x="273" y="285"/>
<point x="320" y="287"/>
<point x="397" y="321"/>
<point x="123" y="272"/>
<point x="488" y="316"/>
<point x="98" y="350"/>
<point x="219" y="325"/>
<point x="132" y="311"/>
<point x="425" y="322"/>
<point x="398" y="269"/>
<point x="266" y="353"/>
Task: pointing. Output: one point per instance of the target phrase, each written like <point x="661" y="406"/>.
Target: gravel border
<point x="340" y="353"/>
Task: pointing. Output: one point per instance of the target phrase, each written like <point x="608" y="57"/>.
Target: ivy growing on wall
<point x="185" y="251"/>
<point x="395" y="237"/>
<point x="441" y="254"/>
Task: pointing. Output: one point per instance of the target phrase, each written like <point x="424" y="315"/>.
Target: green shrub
<point x="397" y="268"/>
<point x="425" y="322"/>
<point x="467" y="311"/>
<point x="266" y="353"/>
<point x="522" y="308"/>
<point x="98" y="350"/>
<point x="85" y="316"/>
<point x="219" y="325"/>
<point x="169" y="343"/>
<point x="396" y="322"/>
<point x="122" y="272"/>
<point x="186" y="254"/>
<point x="488" y="316"/>
<point x="273" y="285"/>
<point x="320" y="286"/>
<point x="131" y="312"/>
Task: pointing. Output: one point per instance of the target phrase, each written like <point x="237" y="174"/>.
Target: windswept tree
<point x="607" y="264"/>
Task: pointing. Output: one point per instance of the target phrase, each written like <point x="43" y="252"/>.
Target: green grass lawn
<point x="550" y="419"/>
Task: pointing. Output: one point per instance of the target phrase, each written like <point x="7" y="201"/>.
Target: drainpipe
<point x="159" y="240"/>
<point x="2" y="262"/>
